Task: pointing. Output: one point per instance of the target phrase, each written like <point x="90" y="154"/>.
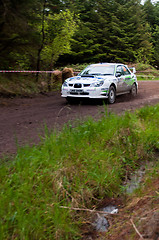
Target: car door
<point x="121" y="86"/>
<point x="127" y="78"/>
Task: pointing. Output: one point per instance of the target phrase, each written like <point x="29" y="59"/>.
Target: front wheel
<point x="133" y="90"/>
<point x="112" y="95"/>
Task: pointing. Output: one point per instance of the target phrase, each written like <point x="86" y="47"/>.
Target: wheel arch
<point x="113" y="84"/>
<point x="112" y="93"/>
<point x="132" y="89"/>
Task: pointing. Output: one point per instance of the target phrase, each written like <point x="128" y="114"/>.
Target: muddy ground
<point x="22" y="120"/>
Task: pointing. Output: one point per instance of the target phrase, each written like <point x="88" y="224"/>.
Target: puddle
<point x="101" y="223"/>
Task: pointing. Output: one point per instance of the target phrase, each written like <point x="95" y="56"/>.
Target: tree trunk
<point x="42" y="43"/>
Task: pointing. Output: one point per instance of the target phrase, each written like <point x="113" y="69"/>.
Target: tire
<point x="112" y="95"/>
<point x="133" y="90"/>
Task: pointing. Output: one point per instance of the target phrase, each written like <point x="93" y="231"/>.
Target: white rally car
<point x="101" y="81"/>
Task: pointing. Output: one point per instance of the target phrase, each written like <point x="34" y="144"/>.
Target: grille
<point x="86" y="85"/>
<point x="77" y="85"/>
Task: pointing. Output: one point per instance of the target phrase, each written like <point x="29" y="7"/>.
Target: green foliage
<point x="145" y="52"/>
<point x="155" y="35"/>
<point x="152" y="16"/>
<point x="76" y="167"/>
<point x="77" y="67"/>
<point x="17" y="31"/>
<point x="39" y="34"/>
<point x="111" y="31"/>
<point x="22" y="61"/>
<point x="143" y="66"/>
<point x="57" y="39"/>
<point x="146" y="72"/>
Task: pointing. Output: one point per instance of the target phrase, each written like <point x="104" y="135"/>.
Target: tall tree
<point x="17" y="32"/>
<point x="152" y="17"/>
<point x="111" y="30"/>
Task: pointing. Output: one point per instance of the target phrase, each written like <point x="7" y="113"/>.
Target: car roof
<point x="106" y="64"/>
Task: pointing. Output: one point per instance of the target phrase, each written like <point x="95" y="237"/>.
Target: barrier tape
<point x="24" y="71"/>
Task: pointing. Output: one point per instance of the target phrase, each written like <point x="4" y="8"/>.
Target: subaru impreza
<point x="101" y="81"/>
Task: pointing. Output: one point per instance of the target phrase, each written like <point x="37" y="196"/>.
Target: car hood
<point x="91" y="79"/>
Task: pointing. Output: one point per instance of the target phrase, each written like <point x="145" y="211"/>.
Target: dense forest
<point x="44" y="34"/>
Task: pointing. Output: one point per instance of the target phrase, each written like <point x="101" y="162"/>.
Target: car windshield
<point x="103" y="69"/>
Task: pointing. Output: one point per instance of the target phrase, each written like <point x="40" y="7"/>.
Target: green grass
<point x="15" y="84"/>
<point x="147" y="78"/>
<point x="76" y="167"/>
<point x="146" y="72"/>
<point x="144" y="67"/>
<point x="18" y="83"/>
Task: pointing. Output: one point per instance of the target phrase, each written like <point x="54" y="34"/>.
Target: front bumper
<point x="85" y="93"/>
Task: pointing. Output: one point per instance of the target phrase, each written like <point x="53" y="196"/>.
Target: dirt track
<point x="22" y="119"/>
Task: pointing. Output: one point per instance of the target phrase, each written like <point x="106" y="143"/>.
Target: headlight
<point x="65" y="84"/>
<point x="97" y="84"/>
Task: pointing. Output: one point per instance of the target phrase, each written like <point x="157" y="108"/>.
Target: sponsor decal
<point x="129" y="81"/>
<point x="104" y="89"/>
